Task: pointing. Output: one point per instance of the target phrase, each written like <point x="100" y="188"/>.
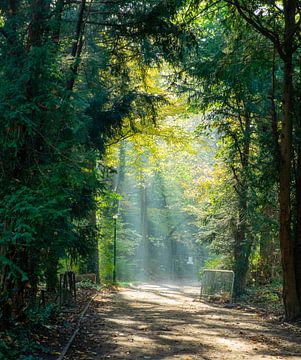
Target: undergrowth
<point x="88" y="284"/>
<point x="266" y="297"/>
<point x="19" y="342"/>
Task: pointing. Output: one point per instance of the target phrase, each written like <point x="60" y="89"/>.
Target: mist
<point x="157" y="233"/>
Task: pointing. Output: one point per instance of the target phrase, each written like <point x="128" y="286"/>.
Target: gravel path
<point x="169" y="322"/>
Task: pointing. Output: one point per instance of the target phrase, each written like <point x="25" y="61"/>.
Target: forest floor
<point x="169" y="322"/>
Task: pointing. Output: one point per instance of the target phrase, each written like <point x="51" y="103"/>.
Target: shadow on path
<point x="167" y="322"/>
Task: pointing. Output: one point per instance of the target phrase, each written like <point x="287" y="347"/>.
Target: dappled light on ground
<point x="169" y="322"/>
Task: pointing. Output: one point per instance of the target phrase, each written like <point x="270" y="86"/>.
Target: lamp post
<point x="114" y="247"/>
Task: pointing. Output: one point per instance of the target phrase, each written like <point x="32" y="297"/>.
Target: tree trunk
<point x="169" y="243"/>
<point x="52" y="264"/>
<point x="290" y="297"/>
<point x="290" y="294"/>
<point x="93" y="222"/>
<point x="92" y="217"/>
<point x="285" y="49"/>
<point x="242" y="246"/>
<point x="144" y="230"/>
<point x="242" y="251"/>
<point x="298" y="221"/>
<point x="78" y="43"/>
<point x="297" y="208"/>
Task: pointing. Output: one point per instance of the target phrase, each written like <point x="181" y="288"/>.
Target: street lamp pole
<point x="114" y="247"/>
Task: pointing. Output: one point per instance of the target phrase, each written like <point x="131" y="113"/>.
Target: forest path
<point x="169" y="322"/>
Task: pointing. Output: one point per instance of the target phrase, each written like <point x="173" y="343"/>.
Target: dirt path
<point x="168" y="322"/>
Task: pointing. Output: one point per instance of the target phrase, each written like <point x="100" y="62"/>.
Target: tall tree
<point x="66" y="88"/>
<point x="225" y="84"/>
<point x="283" y="34"/>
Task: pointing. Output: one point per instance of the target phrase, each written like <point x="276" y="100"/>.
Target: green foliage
<point x="87" y="284"/>
<point x="72" y="79"/>
<point x="77" y="79"/>
<point x="42" y="315"/>
<point x="157" y="178"/>
<point x="216" y="262"/>
<point x="19" y="343"/>
<point x="228" y="81"/>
